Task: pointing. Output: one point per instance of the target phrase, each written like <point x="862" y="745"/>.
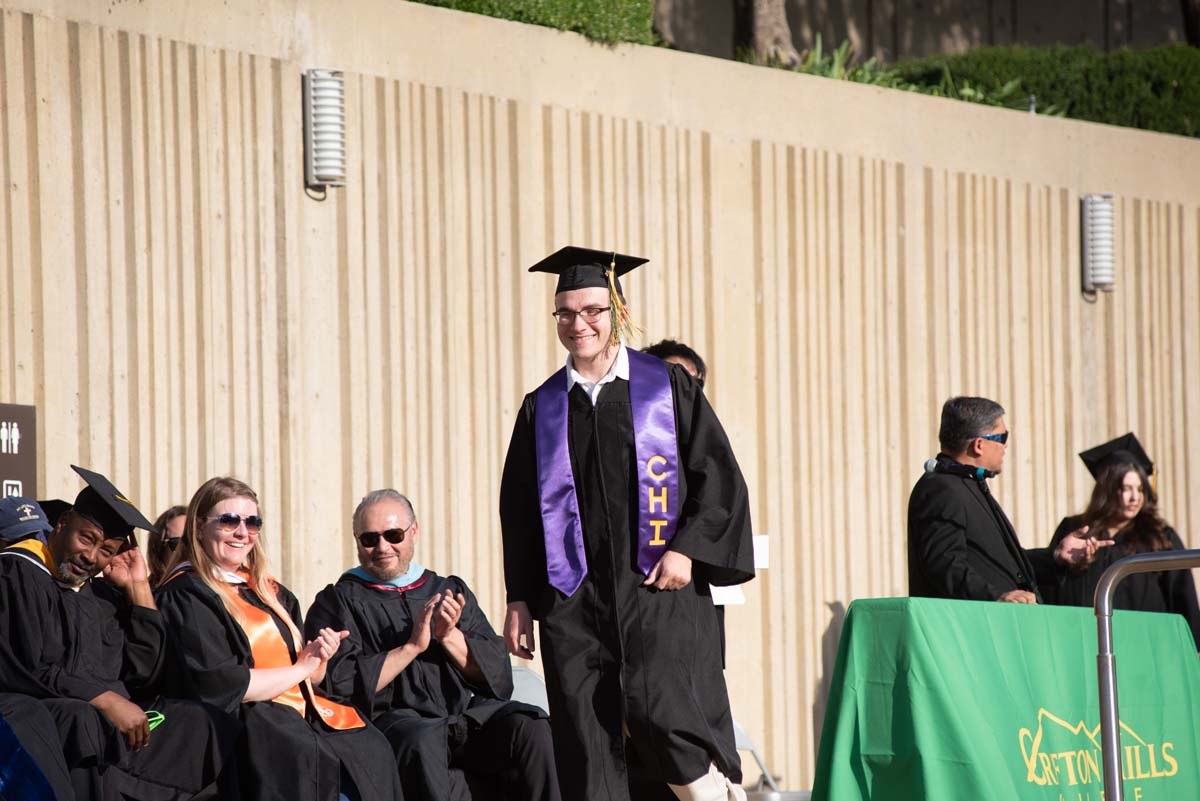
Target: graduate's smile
<point x="229" y="546"/>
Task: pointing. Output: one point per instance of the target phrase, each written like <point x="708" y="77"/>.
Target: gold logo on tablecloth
<point x="1073" y="763"/>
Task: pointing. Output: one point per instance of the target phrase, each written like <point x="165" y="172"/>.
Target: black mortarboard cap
<point x="54" y="509"/>
<point x="582" y="268"/>
<point x="107" y="507"/>
<point x="1125" y="448"/>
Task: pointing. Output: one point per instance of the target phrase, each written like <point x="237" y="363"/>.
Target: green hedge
<point x="602" y="20"/>
<point x="1157" y="89"/>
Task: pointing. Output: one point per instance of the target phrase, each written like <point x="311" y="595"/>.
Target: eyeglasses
<point x="229" y="522"/>
<point x="1002" y="437"/>
<point x="369" y="539"/>
<point x="590" y="315"/>
<point x="171" y="543"/>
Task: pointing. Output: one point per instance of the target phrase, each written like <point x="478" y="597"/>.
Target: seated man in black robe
<point x="31" y="760"/>
<point x="91" y="651"/>
<point x="428" y="669"/>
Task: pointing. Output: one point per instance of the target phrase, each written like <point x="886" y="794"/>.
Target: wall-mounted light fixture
<point x="1098" y="252"/>
<point x="324" y="128"/>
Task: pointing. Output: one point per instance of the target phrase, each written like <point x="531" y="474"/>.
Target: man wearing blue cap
<point x="31" y="760"/>
<point x="21" y="518"/>
<point x="621" y="503"/>
<point x="91" y="651"/>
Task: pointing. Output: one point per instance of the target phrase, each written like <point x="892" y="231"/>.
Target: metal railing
<point x="1110" y="729"/>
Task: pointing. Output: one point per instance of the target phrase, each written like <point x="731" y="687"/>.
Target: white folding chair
<point x="528" y="688"/>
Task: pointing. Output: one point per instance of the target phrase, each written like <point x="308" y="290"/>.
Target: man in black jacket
<point x="960" y="542"/>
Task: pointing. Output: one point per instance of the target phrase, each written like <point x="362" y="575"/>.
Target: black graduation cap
<point x="54" y="509"/>
<point x="582" y="268"/>
<point x="1124" y="448"/>
<point x="104" y="505"/>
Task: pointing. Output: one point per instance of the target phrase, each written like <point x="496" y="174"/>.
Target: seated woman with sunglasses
<point x="235" y="633"/>
<point x="168" y="531"/>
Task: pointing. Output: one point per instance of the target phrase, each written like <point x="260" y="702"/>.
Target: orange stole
<point x="270" y="651"/>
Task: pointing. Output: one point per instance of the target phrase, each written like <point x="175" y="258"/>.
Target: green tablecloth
<point x="937" y="700"/>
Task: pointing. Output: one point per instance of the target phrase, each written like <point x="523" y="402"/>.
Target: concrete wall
<point x="845" y="257"/>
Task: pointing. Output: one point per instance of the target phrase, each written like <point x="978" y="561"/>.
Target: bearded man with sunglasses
<point x="960" y="542"/>
<point x="422" y="661"/>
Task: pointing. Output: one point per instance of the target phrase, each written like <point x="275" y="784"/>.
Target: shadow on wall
<point x="829" y="647"/>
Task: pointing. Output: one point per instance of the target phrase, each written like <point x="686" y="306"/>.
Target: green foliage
<point x="839" y="65"/>
<point x="607" y="21"/>
<point x="1157" y="89"/>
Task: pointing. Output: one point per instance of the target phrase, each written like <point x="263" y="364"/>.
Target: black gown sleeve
<point x="1180" y="591"/>
<point x="145" y="638"/>
<point x="201" y="635"/>
<point x="938" y="540"/>
<point x="714" y="521"/>
<point x="34" y="652"/>
<point x="485" y="645"/>
<point x="353" y="673"/>
<point x="520" y="514"/>
<point x="1056" y="586"/>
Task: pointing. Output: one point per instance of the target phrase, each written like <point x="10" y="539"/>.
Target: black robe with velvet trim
<point x="282" y="756"/>
<point x="430" y="688"/>
<point x="619" y="655"/>
<point x="64" y="648"/>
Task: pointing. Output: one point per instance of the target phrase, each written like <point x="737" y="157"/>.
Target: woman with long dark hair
<point x="1124" y="509"/>
<point x="235" y="632"/>
<point x="167" y="534"/>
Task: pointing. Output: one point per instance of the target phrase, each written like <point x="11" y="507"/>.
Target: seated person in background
<point x="22" y="518"/>
<point x="440" y="697"/>
<point x="235" y="635"/>
<point x="1124" y="509"/>
<point x="91" y="651"/>
<point x="31" y="758"/>
<point x="168" y="530"/>
<point x="960" y="542"/>
<point x="674" y="352"/>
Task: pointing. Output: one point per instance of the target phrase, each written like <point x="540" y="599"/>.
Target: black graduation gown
<point x="1171" y="591"/>
<point x="31" y="758"/>
<point x="617" y="653"/>
<point x="65" y="648"/>
<point x="283" y="757"/>
<point x="429" y="692"/>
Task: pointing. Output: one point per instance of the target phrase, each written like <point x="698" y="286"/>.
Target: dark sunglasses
<point x="171" y="543"/>
<point x="1002" y="437"/>
<point x="369" y="539"/>
<point x="229" y="522"/>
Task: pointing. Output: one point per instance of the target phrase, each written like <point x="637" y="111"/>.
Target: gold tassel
<point x="622" y="322"/>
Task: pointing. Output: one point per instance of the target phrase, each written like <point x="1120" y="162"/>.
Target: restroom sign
<point x="18" y="450"/>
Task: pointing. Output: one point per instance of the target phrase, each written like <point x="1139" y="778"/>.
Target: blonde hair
<point x="261" y="582"/>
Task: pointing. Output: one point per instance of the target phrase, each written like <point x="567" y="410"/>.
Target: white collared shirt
<point x="619" y="369"/>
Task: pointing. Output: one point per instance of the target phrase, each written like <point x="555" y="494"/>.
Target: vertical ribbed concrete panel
<point x="177" y="306"/>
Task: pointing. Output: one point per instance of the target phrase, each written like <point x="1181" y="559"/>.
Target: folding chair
<point x="743" y="742"/>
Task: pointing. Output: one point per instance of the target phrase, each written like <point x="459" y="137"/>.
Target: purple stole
<point x="657" y="452"/>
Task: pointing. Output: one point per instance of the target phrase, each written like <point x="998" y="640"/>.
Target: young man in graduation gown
<point x="960" y="543"/>
<point x="621" y="503"/>
<point x="423" y="662"/>
<point x="92" y="650"/>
